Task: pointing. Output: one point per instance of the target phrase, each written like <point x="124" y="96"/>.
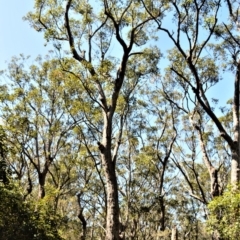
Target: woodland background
<point x="127" y="128"/>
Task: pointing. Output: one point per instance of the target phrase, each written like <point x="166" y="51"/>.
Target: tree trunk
<point x="41" y="187"/>
<point x="29" y="188"/>
<point x="42" y="177"/>
<point x="216" y="236"/>
<point x="162" y="214"/>
<point x="112" y="218"/>
<point x="235" y="164"/>
<point x="82" y="219"/>
<point x="213" y="172"/>
<point x="112" y="221"/>
<point x="236" y="129"/>
<point x="174" y="233"/>
<point x="215" y="191"/>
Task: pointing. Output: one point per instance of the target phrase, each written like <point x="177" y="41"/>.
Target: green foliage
<point x="225" y="214"/>
<point x="19" y="219"/>
<point x="55" y="114"/>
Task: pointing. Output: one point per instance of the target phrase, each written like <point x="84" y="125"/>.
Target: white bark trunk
<point x="235" y="166"/>
<point x="235" y="146"/>
<point x="174" y="233"/>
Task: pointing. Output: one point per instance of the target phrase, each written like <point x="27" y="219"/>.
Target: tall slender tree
<point x="90" y="34"/>
<point x="35" y="120"/>
<point x="194" y="58"/>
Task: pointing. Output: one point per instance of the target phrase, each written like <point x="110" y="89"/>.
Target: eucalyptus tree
<point x="198" y="59"/>
<point x="76" y="194"/>
<point x="164" y="151"/>
<point x="95" y="36"/>
<point x="36" y="122"/>
<point x="143" y="168"/>
<point x="203" y="150"/>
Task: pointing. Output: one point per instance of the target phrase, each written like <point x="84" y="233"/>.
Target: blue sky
<point x="16" y="35"/>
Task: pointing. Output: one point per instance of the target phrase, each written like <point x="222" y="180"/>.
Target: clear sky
<point x="16" y="35"/>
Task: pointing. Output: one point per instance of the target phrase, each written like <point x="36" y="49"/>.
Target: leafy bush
<point x="225" y="214"/>
<point x="19" y="220"/>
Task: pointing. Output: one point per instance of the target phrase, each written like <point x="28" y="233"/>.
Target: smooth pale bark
<point x="174" y="235"/>
<point x="213" y="172"/>
<point x="216" y="236"/>
<point x="235" y="163"/>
